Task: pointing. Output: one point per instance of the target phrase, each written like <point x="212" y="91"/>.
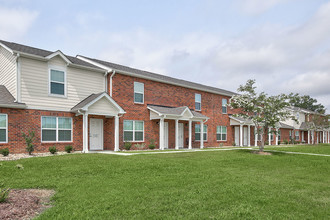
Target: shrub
<point x="152" y="144"/>
<point x="234" y="144"/>
<point x="286" y="142"/>
<point x="29" y="138"/>
<point x="127" y="145"/>
<point x="52" y="149"/>
<point x="140" y="146"/>
<point x="68" y="148"/>
<point x="221" y="145"/>
<point x="4" y="152"/>
<point x="279" y="142"/>
<point x="266" y="142"/>
<point x="4" y="192"/>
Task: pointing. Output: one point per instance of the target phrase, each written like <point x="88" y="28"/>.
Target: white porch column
<point x="190" y="135"/>
<point x="323" y="136"/>
<point x="255" y="137"/>
<point x="328" y="137"/>
<point x="177" y="134"/>
<point x="85" y="133"/>
<point x="249" y="134"/>
<point x="161" y="134"/>
<point x="312" y="137"/>
<point x="317" y="137"/>
<point x="202" y="135"/>
<point x="276" y="139"/>
<point x="302" y="136"/>
<point x="269" y="137"/>
<point x="309" y="137"/>
<point x="241" y="135"/>
<point x="116" y="133"/>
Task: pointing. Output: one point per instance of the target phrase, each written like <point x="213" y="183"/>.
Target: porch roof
<point x="8" y="100"/>
<point x="181" y="113"/>
<point x="100" y="104"/>
<point x="234" y="120"/>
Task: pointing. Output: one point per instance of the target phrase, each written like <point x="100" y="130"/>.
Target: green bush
<point x="140" y="146"/>
<point x="266" y="142"/>
<point x="234" y="144"/>
<point x="4" y="152"/>
<point x="286" y="142"/>
<point x="68" y="148"/>
<point x="152" y="144"/>
<point x="29" y="138"/>
<point x="52" y="149"/>
<point x="279" y="142"/>
<point x="127" y="145"/>
<point x="221" y="145"/>
<point x="4" y="192"/>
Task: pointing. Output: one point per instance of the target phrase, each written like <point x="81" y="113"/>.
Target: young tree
<point x="263" y="110"/>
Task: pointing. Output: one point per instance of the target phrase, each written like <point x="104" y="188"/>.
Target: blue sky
<point x="283" y="44"/>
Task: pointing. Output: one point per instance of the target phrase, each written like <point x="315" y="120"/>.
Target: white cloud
<point x="14" y="23"/>
<point x="258" y="6"/>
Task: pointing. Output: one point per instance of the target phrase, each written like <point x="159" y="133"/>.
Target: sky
<point x="283" y="44"/>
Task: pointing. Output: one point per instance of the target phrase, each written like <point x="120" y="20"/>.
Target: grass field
<point x="198" y="185"/>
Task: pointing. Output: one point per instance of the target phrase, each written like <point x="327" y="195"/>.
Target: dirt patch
<point x="261" y="153"/>
<point x="25" y="203"/>
<point x="22" y="156"/>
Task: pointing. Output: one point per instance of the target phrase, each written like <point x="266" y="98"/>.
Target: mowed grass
<point x="199" y="185"/>
<point x="315" y="149"/>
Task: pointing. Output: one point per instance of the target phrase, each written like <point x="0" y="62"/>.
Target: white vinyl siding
<point x="138" y="92"/>
<point x="8" y="71"/>
<point x="3" y="128"/>
<point x="35" y="85"/>
<point x="224" y="106"/>
<point x="198" y="102"/>
<point x="103" y="106"/>
<point x="198" y="132"/>
<point x="133" y="131"/>
<point x="56" y="129"/>
<point x="221" y="133"/>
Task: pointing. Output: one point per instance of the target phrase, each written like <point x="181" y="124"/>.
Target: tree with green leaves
<point x="306" y="102"/>
<point x="263" y="110"/>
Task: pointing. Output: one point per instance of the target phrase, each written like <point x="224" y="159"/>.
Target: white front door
<point x="245" y="136"/>
<point x="180" y="141"/>
<point x="237" y="136"/>
<point x="165" y="135"/>
<point x="96" y="134"/>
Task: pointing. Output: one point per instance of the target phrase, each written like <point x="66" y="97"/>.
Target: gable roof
<point x="174" y="111"/>
<point x="156" y="77"/>
<point x="8" y="100"/>
<point x="19" y="48"/>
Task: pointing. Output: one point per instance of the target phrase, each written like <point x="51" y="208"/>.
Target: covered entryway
<point x="92" y="108"/>
<point x="242" y="131"/>
<point x="177" y="114"/>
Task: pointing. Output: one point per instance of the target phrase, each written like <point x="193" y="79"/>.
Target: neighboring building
<point x="97" y="105"/>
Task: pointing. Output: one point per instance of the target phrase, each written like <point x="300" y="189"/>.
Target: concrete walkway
<point x="288" y="152"/>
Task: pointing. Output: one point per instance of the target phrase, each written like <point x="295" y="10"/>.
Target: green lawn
<point x="315" y="149"/>
<point x="198" y="185"/>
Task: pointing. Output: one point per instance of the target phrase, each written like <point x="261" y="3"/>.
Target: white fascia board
<point x="59" y="53"/>
<point x="94" y="63"/>
<point x="12" y="106"/>
<point x="151" y="109"/>
<point x="121" y="111"/>
<point x="7" y="48"/>
<point x="187" y="109"/>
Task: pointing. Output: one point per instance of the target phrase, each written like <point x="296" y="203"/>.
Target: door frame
<point x="102" y="134"/>
<point x="245" y="136"/>
<point x="236" y="135"/>
<point x="165" y="135"/>
<point x="181" y="130"/>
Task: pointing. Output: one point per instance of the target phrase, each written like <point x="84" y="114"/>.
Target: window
<point x="290" y="135"/>
<point x="198" y="102"/>
<point x="56" y="129"/>
<point x="279" y="135"/>
<point x="133" y="130"/>
<point x="297" y="135"/>
<point x="57" y="82"/>
<point x="138" y="92"/>
<point x="221" y="133"/>
<point x="271" y="136"/>
<point x="3" y="128"/>
<point x="198" y="132"/>
<point x="224" y="106"/>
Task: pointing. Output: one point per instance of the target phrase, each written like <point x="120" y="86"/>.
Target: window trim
<point x="295" y="135"/>
<point x="56" y="68"/>
<point x="279" y="133"/>
<point x="200" y="103"/>
<point x="5" y="142"/>
<point x="134" y="141"/>
<point x="224" y="106"/>
<point x="138" y="93"/>
<point x="56" y="129"/>
<point x="203" y="134"/>
<point x="221" y="132"/>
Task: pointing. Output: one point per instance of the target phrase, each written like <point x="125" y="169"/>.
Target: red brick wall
<point x="157" y="93"/>
<point x="30" y="120"/>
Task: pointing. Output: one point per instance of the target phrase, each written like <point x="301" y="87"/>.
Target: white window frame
<point x="279" y="135"/>
<point x="295" y="136"/>
<point x="50" y="68"/>
<point x="222" y="106"/>
<point x="56" y="129"/>
<point x="205" y="132"/>
<point x="271" y="136"/>
<point x="200" y="103"/>
<point x="139" y="93"/>
<point x="133" y="131"/>
<point x="221" y="133"/>
<point x="6" y="141"/>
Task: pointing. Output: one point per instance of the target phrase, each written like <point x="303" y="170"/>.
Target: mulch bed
<point x="25" y="203"/>
<point x="261" y="153"/>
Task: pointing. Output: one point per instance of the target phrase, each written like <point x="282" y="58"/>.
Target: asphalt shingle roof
<point x="6" y="98"/>
<point x="166" y="110"/>
<point x="86" y="101"/>
<point x="156" y="76"/>
<point x="44" y="53"/>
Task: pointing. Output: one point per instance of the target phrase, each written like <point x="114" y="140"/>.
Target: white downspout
<point x="106" y="81"/>
<point x="18" y="79"/>
<point x="113" y="73"/>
